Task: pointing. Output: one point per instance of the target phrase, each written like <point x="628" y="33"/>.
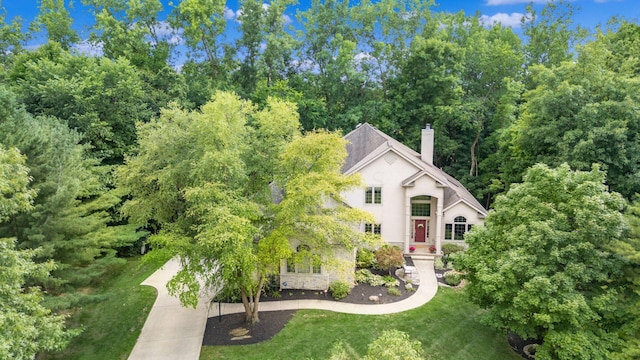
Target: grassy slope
<point x="448" y="328"/>
<point x="111" y="326"/>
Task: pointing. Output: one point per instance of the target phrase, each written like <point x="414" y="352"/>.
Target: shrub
<point x="452" y="278"/>
<point x="363" y="276"/>
<point x="376" y="280"/>
<point x="340" y="351"/>
<point x="365" y="259"/>
<point x="448" y="249"/>
<point x="390" y="281"/>
<point x="389" y="257"/>
<point x="394" y="291"/>
<point x="394" y="344"/>
<point x="438" y="264"/>
<point x="339" y="289"/>
<point x="272" y="286"/>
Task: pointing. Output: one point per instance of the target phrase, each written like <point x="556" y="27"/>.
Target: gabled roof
<point x="366" y="144"/>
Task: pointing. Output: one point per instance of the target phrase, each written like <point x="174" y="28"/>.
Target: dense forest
<point x="499" y="103"/>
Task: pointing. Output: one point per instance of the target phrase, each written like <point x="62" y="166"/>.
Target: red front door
<point x="420" y="229"/>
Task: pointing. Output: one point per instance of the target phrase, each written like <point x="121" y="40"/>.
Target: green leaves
<point x="26" y="327"/>
<point x="69" y="217"/>
<point x="55" y="18"/>
<point x="582" y="113"/>
<point x="99" y="98"/>
<point x="542" y="263"/>
<point x="210" y="180"/>
<point x="15" y="197"/>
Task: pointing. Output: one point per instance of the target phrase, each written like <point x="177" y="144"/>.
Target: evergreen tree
<point x="70" y="218"/>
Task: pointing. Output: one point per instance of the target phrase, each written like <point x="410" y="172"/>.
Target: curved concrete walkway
<point x="174" y="332"/>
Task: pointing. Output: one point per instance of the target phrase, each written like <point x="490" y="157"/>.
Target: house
<point x="414" y="202"/>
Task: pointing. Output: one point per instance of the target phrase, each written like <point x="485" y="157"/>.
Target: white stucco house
<point x="414" y="202"/>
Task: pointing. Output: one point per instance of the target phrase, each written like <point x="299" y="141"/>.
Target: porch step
<point x="423" y="256"/>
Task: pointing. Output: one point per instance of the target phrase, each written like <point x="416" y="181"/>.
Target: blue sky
<point x="508" y="12"/>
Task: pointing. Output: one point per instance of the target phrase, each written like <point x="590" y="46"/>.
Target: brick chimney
<point x="426" y="146"/>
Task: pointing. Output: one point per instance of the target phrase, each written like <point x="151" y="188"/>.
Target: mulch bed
<point x="359" y="294"/>
<point x="440" y="275"/>
<point x="233" y="330"/>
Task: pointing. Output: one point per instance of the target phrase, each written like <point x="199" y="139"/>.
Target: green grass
<point x="112" y="325"/>
<point x="448" y="328"/>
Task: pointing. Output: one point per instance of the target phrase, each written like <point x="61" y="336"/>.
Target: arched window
<point x="457" y="230"/>
<point x="304" y="262"/>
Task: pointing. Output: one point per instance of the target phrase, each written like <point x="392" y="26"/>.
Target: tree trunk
<point x="252" y="302"/>
<point x="473" y="170"/>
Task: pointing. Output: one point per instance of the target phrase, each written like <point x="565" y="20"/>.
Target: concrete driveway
<point x="171" y="330"/>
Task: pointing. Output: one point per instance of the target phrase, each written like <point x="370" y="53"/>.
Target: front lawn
<point x="448" y="328"/>
<point x="113" y="323"/>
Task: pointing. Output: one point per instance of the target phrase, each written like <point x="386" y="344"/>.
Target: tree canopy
<point x="544" y="266"/>
<point x="26" y="327"/>
<point x="212" y="181"/>
<point x="186" y="122"/>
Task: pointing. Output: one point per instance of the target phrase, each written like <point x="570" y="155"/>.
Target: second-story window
<point x="373" y="195"/>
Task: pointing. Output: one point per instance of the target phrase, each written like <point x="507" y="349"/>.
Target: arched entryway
<point x="421" y="223"/>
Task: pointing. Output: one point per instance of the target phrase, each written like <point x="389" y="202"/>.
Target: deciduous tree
<point x="208" y="178"/>
<point x="582" y="112"/>
<point x="630" y="250"/>
<point x="100" y="98"/>
<point x="543" y="263"/>
<point x="56" y="20"/>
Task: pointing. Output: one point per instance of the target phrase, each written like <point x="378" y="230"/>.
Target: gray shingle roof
<point x="366" y="143"/>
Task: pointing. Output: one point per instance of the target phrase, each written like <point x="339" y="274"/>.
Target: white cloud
<point x="238" y="14"/>
<point x="304" y="65"/>
<point x="175" y="40"/>
<point x="30" y="47"/>
<point x="229" y="14"/>
<point x="512" y="2"/>
<point x="511" y="20"/>
<point x="361" y="56"/>
<point x="86" y="48"/>
<point x="163" y="28"/>
<point x="235" y="15"/>
<point x="173" y="36"/>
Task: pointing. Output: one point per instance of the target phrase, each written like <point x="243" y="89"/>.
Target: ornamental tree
<point x="389" y="257"/>
<point x="543" y="263"/>
<point x="207" y="180"/>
